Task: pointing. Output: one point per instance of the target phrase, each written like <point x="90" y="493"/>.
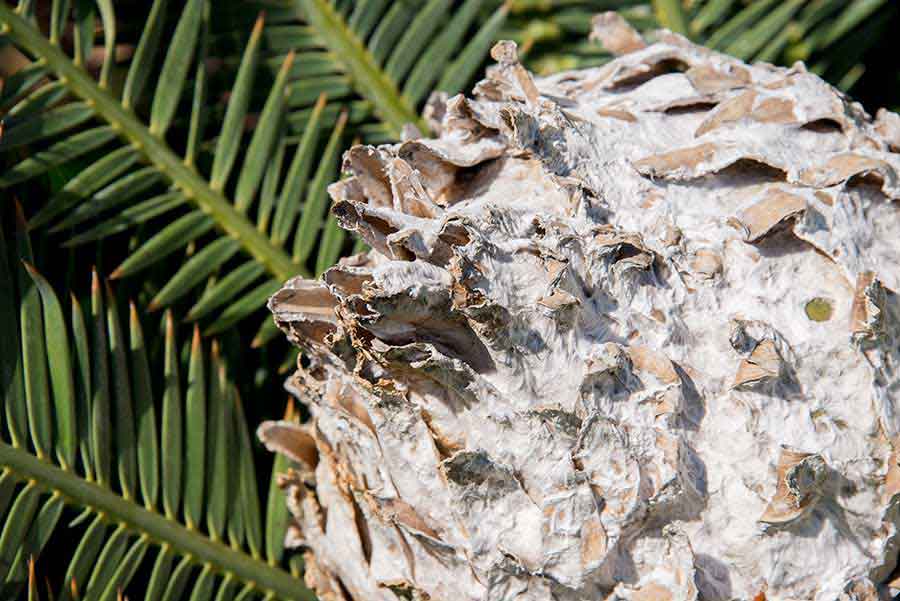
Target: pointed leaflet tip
<point x="170" y="324"/>
<point x="342" y="119"/>
<point x="32" y="581"/>
<point x="95" y="280"/>
<point x="31" y="269"/>
<point x="288" y="61"/>
<point x="195" y="342"/>
<point x="258" y="25"/>
<point x="320" y="101"/>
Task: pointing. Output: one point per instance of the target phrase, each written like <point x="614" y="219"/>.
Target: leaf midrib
<point x="368" y="78"/>
<point x="159" y="529"/>
<point x="195" y="188"/>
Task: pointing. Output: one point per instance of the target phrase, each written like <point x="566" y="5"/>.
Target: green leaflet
<point x="116" y="193"/>
<point x="173" y="75"/>
<point x="128" y="218"/>
<point x="218" y="441"/>
<point x="16" y="527"/>
<point x="142" y="64"/>
<point x="434" y="59"/>
<point x="85" y="183"/>
<point x="225" y="289"/>
<point x="311" y="217"/>
<point x="195" y="428"/>
<point x="230" y="137"/>
<point x="145" y="411"/>
<point x="14" y="406"/>
<point x="38" y="535"/>
<point x="172" y="425"/>
<point x="159" y="576"/>
<point x="195" y="270"/>
<point x="82" y="375"/>
<point x="60" y="366"/>
<point x="58" y="154"/>
<point x="263" y="140"/>
<point x="33" y="351"/>
<point x="289" y="204"/>
<point x="101" y="443"/>
<point x="174" y="236"/>
<point x="38" y="100"/>
<point x="247" y="479"/>
<point x="243" y="307"/>
<point x="56" y="121"/>
<point x="122" y="406"/>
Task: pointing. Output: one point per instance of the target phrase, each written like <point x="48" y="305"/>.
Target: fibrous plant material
<point x="624" y="333"/>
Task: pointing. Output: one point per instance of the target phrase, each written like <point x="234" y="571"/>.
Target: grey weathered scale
<point x="624" y="333"/>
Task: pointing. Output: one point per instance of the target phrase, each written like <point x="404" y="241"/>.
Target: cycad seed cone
<point x="624" y="333"/>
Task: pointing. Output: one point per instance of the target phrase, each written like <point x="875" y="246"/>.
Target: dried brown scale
<point x="581" y="360"/>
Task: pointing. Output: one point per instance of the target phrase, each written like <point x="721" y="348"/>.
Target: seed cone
<point x="581" y="359"/>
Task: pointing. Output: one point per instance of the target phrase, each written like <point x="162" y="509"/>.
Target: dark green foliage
<point x="98" y="505"/>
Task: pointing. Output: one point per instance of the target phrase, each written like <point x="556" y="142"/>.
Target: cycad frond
<point x="260" y="206"/>
<point x="170" y="485"/>
<point x="395" y="53"/>
<point x="129" y="162"/>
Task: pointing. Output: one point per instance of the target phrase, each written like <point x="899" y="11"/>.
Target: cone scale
<point x="624" y="333"/>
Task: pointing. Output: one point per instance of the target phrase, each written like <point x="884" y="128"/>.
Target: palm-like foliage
<point x="168" y="486"/>
<point x="260" y="206"/>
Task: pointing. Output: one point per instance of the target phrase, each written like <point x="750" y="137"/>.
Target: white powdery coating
<point x="625" y="333"/>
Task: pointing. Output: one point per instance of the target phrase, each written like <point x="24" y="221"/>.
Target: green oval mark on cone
<point x="819" y="309"/>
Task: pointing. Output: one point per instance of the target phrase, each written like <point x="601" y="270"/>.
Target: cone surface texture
<point x="626" y="333"/>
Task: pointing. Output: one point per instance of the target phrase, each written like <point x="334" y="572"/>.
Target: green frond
<point x="251" y="189"/>
<point x="152" y="149"/>
<point x="175" y="499"/>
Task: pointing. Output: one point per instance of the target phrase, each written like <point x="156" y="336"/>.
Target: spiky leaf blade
<point x="145" y="410"/>
<point x="56" y="339"/>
